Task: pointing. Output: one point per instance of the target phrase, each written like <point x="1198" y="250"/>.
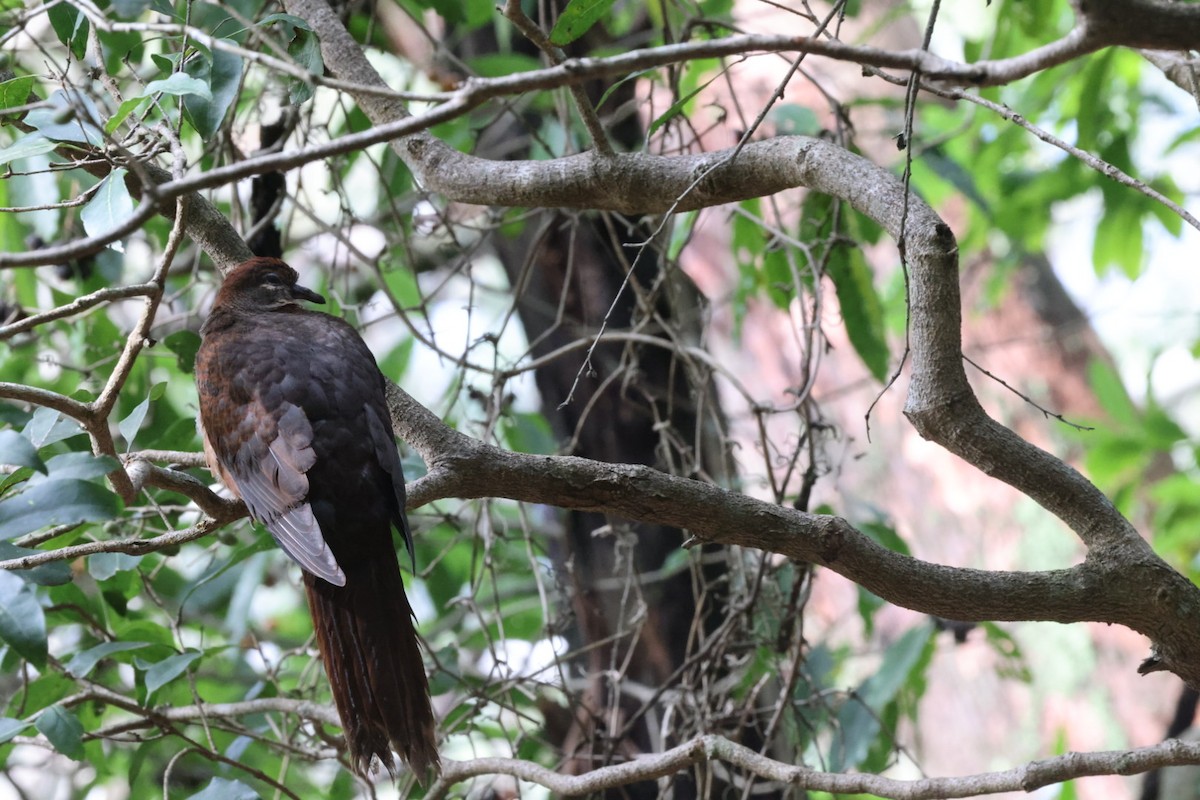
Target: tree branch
<point x="709" y="749"/>
<point x="133" y="547"/>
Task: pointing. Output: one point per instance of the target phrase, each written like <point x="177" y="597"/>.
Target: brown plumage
<point x="295" y="423"/>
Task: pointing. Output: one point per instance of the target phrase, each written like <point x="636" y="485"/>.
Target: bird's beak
<point x="304" y="293"/>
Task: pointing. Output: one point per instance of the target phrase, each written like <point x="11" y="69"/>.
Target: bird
<point x="295" y="422"/>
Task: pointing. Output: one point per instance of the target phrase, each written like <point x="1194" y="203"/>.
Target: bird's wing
<point x="267" y="470"/>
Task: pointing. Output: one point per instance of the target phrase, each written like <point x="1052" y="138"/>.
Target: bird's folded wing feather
<point x="268" y="472"/>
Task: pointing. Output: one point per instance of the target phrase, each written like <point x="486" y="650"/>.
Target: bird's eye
<point x="272" y="279"/>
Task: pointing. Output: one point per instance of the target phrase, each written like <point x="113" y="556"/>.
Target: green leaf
<point x="22" y="620"/>
<point x="287" y="19"/>
<point x="577" y="19"/>
<point x="885" y="535"/>
<point x="126" y="108"/>
<point x="1012" y="660"/>
<point x="1118" y="241"/>
<point x="859" y="718"/>
<point x="1162" y="432"/>
<point x="63" y="730"/>
<point x="33" y="144"/>
<point x="55" y="502"/>
<point x="10" y="727"/>
<point x="71" y="27"/>
<point x="868" y="604"/>
<point x="463" y="13"/>
<point x="306" y="49"/>
<point x="528" y="433"/>
<point x="795" y="120"/>
<point x="143" y="631"/>
<point x="677" y="107"/>
<point x="681" y="233"/>
<point x="119" y="48"/>
<point x="80" y="465"/>
<point x="498" y="65"/>
<point x="17" y="451"/>
<point x="165" y="671"/>
<point x="108" y="208"/>
<point x="957" y="176"/>
<point x="303" y="47"/>
<point x="130" y="9"/>
<point x="67" y="119"/>
<point x="84" y="662"/>
<point x="133" y="422"/>
<point x="222" y="72"/>
<point x="226" y="789"/>
<point x="103" y="566"/>
<point x="15" y="91"/>
<point x="54" y="574"/>
<point x="185" y="345"/>
<point x="862" y="310"/>
<point x="178" y="84"/>
<point x="47" y="426"/>
<point x="1112" y="395"/>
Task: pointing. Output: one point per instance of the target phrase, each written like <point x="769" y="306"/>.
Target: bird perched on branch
<point x="296" y="423"/>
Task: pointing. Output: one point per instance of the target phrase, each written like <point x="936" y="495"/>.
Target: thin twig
<point x="587" y="112"/>
<point x="1045" y="411"/>
<point x="133" y="547"/>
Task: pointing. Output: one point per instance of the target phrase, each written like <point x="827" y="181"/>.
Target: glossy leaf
<point x="110" y="207"/>
<point x="64" y="731"/>
<point x="71" y="26"/>
<point x="131" y="424"/>
<point x="178" y="84"/>
<point x="53" y="574"/>
<point x="10" y="727"/>
<point x="858" y="719"/>
<point x="577" y="19"/>
<point x="26" y="147"/>
<point x="68" y="119"/>
<point x="85" y="661"/>
<point x="22" y="620"/>
<point x="55" y="502"/>
<point x="167" y="670"/>
<point x="78" y="464"/>
<point x="47" y="427"/>
<point x="222" y="73"/>
<point x="15" y="91"/>
<point x="17" y="451"/>
<point x="862" y="310"/>
<point x="130" y="9"/>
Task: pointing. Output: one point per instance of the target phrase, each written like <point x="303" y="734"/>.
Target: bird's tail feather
<point x="369" y="646"/>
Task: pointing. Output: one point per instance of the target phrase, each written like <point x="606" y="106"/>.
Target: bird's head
<point x="263" y="284"/>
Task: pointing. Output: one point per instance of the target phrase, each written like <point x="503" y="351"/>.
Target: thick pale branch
<point x="1026" y="778"/>
<point x="464" y="467"/>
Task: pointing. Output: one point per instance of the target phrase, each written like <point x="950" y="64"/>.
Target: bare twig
<point x="133" y="547"/>
<point x="77" y="305"/>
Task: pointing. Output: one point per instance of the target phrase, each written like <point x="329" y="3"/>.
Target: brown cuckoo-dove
<point x="295" y="423"/>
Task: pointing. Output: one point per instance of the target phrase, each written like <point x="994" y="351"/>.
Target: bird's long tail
<point x="369" y="646"/>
